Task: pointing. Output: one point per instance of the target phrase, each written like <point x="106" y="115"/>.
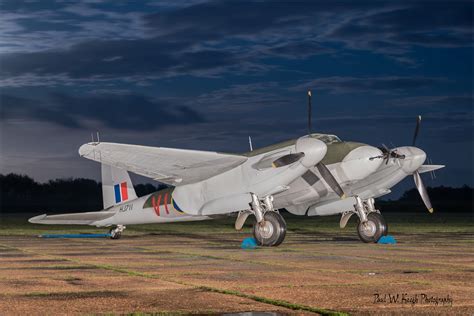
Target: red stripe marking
<point x="123" y="187"/>
<point x="156" y="204"/>
<point x="166" y="203"/>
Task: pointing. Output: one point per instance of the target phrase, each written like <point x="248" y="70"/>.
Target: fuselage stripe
<point x="156" y="204"/>
<point x="166" y="203"/>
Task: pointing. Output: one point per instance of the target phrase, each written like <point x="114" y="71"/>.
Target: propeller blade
<point x="417" y="129"/>
<point x="309" y="112"/>
<point x="422" y="190"/>
<point x="287" y="160"/>
<point x="330" y="180"/>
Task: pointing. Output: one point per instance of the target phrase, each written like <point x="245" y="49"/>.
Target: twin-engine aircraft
<point x="314" y="175"/>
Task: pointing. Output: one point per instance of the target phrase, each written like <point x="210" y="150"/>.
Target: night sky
<point x="206" y="75"/>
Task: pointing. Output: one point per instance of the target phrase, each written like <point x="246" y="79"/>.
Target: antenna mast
<point x="309" y="112"/>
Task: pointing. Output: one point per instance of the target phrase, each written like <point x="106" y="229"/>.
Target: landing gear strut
<point x="371" y="224"/>
<point x="116" y="232"/>
<point x="270" y="227"/>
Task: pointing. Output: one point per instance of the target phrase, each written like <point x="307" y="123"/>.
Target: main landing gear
<point x="116" y="232"/>
<point x="270" y="227"/>
<point x="371" y="224"/>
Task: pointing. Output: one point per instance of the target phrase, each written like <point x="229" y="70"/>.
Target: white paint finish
<point x="110" y="177"/>
<point x="229" y="191"/>
<point x="332" y="207"/>
<point x="429" y="168"/>
<point x="167" y="165"/>
<point x="357" y="164"/>
<point x="414" y="158"/>
<point x="314" y="150"/>
<point x="212" y="183"/>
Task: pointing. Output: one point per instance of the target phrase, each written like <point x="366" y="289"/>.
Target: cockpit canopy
<point x="326" y="138"/>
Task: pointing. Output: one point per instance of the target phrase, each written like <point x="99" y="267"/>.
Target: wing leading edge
<point x="166" y="165"/>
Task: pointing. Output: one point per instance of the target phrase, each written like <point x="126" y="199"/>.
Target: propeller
<point x="387" y="154"/>
<point x="422" y="190"/>
<point x="416" y="175"/>
<point x="323" y="170"/>
<point x="417" y="129"/>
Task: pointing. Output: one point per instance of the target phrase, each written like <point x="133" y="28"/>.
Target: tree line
<point x="20" y="193"/>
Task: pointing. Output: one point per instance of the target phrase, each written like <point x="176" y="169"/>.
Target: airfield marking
<point x="129" y="272"/>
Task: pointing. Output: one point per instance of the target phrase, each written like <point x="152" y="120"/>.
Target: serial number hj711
<point x="126" y="207"/>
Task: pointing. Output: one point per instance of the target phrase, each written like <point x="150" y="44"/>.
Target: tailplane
<point x="117" y="188"/>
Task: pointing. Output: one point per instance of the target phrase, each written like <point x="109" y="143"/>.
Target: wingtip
<point x="431" y="210"/>
<point x="36" y="219"/>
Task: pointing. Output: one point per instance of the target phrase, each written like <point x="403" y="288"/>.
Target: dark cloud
<point x="298" y="50"/>
<point x="395" y="31"/>
<point x="212" y="38"/>
<point x="373" y="85"/>
<point x="444" y="102"/>
<point x="127" y="112"/>
<point x="116" y="58"/>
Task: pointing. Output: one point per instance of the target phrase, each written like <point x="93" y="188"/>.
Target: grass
<point x="406" y="222"/>
<point x="280" y="303"/>
<point x="400" y="223"/>
<point x="86" y="294"/>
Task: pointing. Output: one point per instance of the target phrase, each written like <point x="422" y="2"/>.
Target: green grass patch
<point x="274" y="302"/>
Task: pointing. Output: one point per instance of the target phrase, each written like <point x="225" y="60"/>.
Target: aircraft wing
<point x="166" y="165"/>
<point x="86" y="218"/>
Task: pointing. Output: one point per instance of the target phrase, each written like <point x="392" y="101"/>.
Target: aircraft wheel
<point x="383" y="223"/>
<point x="372" y="230"/>
<point x="271" y="231"/>
<point x="115" y="233"/>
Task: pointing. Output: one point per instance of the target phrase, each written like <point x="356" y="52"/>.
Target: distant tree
<point x="20" y="193"/>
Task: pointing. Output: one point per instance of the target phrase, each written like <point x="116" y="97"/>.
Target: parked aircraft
<point x="314" y="175"/>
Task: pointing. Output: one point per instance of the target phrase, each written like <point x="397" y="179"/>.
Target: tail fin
<point x="117" y="188"/>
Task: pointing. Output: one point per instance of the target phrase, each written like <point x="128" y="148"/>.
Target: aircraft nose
<point x="414" y="158"/>
<point x="357" y="164"/>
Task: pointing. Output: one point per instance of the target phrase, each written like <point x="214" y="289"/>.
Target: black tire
<point x="383" y="223"/>
<point x="272" y="230"/>
<point x="282" y="230"/>
<point x="373" y="229"/>
<point x="114" y="234"/>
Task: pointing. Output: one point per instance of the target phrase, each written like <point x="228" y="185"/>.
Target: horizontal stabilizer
<point x="72" y="219"/>
<point x="428" y="168"/>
